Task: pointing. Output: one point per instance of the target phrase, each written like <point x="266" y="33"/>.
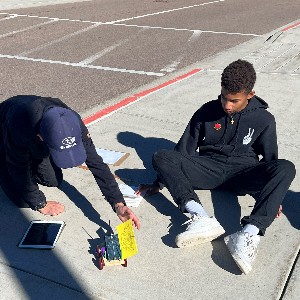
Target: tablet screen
<point x="41" y="235"/>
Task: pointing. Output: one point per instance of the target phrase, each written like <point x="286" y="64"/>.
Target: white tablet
<point x="42" y="234"/>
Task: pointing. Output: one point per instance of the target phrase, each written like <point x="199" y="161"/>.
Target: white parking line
<point x="8" y="18"/>
<point x="86" y="62"/>
<point x="59" y="40"/>
<point x="147" y="15"/>
<point x="27" y="28"/>
<point x="165" y="11"/>
<point x="115" y="23"/>
<point x="131" y="18"/>
<point x="102" y="53"/>
<point x="183" y="29"/>
<point x="80" y="65"/>
<point x="172" y="67"/>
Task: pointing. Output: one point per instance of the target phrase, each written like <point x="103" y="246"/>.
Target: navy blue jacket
<point x="20" y="117"/>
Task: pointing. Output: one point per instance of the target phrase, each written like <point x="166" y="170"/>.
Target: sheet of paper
<point x="112" y="157"/>
<point x="127" y="239"/>
<point x="128" y="191"/>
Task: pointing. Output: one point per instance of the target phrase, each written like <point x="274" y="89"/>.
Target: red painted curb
<point x="290" y="27"/>
<point x="100" y="114"/>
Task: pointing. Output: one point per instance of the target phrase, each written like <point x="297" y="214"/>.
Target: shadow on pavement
<point x="226" y="206"/>
<point x="41" y="264"/>
<point x="169" y="209"/>
<point x="228" y="213"/>
<point x="88" y="210"/>
<point x="227" y="210"/>
<point x="145" y="148"/>
<point x="291" y="208"/>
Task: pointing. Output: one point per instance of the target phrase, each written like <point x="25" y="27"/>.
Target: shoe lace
<point x="192" y="219"/>
<point x="250" y="247"/>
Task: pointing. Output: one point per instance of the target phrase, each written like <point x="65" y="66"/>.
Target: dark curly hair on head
<point x="238" y="76"/>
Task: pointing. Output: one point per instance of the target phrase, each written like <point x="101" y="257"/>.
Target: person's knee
<point x="287" y="167"/>
<point x="161" y="157"/>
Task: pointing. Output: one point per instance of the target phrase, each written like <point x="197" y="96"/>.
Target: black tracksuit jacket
<point x="211" y="133"/>
<point x="20" y="117"/>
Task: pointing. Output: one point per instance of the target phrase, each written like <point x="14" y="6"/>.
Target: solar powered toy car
<point x="109" y="253"/>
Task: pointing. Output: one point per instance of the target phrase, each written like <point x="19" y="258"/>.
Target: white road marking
<point x="102" y="53"/>
<point x="9" y="17"/>
<point x="86" y="62"/>
<point x="165" y="11"/>
<point x="59" y="19"/>
<point x="172" y="67"/>
<point x="59" y="40"/>
<point x="27" y="28"/>
<point x="142" y="26"/>
<point x="131" y="18"/>
<point x="184" y="29"/>
<point x="142" y="16"/>
<point x="80" y="65"/>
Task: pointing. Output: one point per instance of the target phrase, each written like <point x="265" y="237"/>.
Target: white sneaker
<point x="243" y="248"/>
<point x="200" y="230"/>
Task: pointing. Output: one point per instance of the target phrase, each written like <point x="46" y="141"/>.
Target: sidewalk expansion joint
<point x="43" y="278"/>
<point x="289" y="276"/>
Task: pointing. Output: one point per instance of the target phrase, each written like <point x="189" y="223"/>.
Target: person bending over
<point x="39" y="136"/>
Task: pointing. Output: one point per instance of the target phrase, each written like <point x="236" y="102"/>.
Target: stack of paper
<point x="129" y="195"/>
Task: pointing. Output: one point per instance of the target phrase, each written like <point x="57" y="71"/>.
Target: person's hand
<point x="125" y="213"/>
<point x="279" y="211"/>
<point x="52" y="208"/>
<point x="147" y="189"/>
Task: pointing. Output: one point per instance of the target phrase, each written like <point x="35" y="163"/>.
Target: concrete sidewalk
<point x="16" y="4"/>
<point x="160" y="270"/>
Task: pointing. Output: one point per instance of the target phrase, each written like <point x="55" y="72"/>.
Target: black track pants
<point x="269" y="181"/>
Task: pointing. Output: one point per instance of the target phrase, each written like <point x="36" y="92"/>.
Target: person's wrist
<point x="118" y="205"/>
<point x="39" y="206"/>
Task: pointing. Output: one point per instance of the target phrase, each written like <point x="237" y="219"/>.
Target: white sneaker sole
<point x="245" y="268"/>
<point x="189" y="239"/>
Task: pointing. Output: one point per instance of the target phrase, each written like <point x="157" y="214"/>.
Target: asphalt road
<point x="93" y="53"/>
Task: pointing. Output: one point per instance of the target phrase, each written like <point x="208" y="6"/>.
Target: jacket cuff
<point x="38" y="205"/>
<point x="115" y="202"/>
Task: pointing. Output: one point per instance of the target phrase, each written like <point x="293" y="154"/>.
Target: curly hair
<point x="238" y="76"/>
